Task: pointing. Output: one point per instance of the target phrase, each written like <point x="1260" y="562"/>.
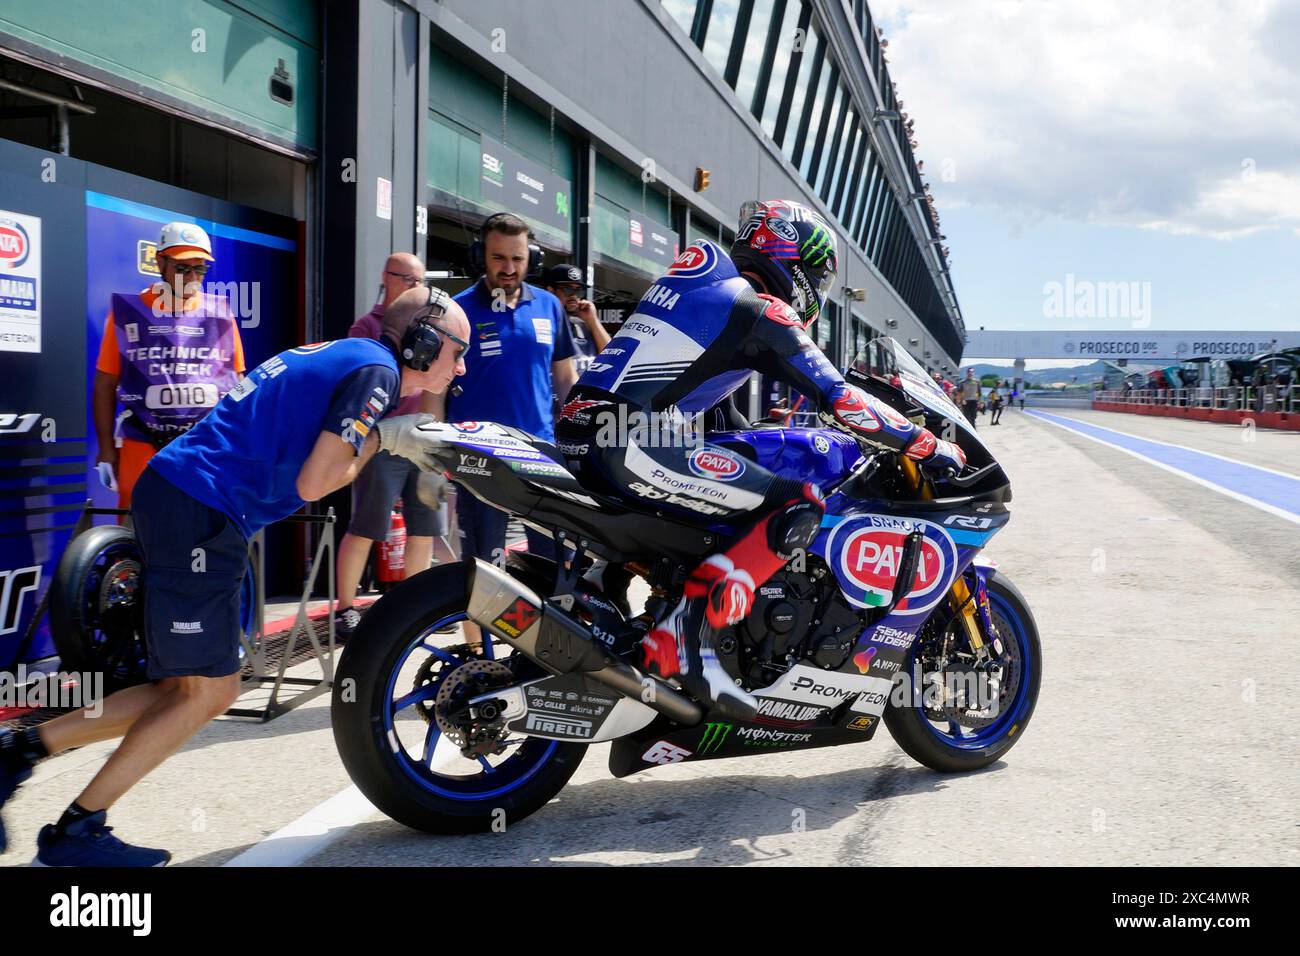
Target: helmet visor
<point x="827" y="283"/>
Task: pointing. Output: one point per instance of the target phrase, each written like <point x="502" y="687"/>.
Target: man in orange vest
<point x="167" y="365"/>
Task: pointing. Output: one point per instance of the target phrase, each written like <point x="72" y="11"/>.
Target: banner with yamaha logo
<point x="20" y="276"/>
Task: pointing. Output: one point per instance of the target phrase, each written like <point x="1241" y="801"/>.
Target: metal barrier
<point x="255" y="642"/>
<point x="1244" y="398"/>
<point x="257" y="660"/>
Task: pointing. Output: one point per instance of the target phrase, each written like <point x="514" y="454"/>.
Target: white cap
<point x="185" y="240"/>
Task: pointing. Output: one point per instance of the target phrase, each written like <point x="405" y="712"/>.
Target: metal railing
<point x="262" y="668"/>
<point x="1245" y="398"/>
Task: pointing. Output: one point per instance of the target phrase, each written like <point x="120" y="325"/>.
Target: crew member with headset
<point x="521" y="352"/>
<point x="167" y="365"/>
<point x="299" y="426"/>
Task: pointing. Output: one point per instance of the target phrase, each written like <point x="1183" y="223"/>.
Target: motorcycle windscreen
<point x="884" y="356"/>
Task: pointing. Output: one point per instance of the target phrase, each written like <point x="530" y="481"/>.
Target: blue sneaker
<point x="89" y="842"/>
<point x="10" y="778"/>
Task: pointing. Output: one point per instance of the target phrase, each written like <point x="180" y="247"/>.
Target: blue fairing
<point x="822" y="456"/>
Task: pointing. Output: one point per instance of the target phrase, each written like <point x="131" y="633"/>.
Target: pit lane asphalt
<point x="1162" y="735"/>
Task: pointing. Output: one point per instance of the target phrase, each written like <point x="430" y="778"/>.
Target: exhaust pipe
<point x="515" y="613"/>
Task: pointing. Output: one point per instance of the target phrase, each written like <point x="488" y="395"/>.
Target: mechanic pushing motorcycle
<point x="300" y="425"/>
<point x="697" y="336"/>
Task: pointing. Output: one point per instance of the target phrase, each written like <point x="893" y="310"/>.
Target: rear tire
<point x="364" y="729"/>
<point x="926" y="744"/>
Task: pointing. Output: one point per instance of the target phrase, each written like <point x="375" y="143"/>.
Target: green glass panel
<point x="217" y="55"/>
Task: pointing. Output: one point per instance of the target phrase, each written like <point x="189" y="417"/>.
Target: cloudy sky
<point x="1155" y="143"/>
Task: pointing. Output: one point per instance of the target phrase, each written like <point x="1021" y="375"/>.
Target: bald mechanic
<point x="301" y="425"/>
<point x="386" y="478"/>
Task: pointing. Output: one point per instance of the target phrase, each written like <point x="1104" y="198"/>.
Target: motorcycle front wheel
<point x="940" y="739"/>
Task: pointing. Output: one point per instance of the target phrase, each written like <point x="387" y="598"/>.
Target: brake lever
<point x="974" y="477"/>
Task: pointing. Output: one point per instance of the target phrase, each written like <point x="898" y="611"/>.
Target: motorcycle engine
<point x="796" y="617"/>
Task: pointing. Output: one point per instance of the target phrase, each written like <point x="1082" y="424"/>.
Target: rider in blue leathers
<point x="697" y="335"/>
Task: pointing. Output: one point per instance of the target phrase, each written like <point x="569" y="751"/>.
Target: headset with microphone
<point x="422" y="342"/>
<point x="477" y="257"/>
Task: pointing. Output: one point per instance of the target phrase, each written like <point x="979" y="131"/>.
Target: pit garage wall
<point x="47" y="448"/>
<point x="374" y="156"/>
<point x="618" y="70"/>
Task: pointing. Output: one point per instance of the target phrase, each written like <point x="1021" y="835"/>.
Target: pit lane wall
<point x="1269" y="409"/>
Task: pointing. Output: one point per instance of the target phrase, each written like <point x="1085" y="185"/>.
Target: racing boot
<point x="720" y="593"/>
<point x="682" y="644"/>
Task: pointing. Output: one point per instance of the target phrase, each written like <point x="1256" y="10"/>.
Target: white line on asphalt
<point x="1244" y="499"/>
<point x="1170" y="444"/>
<point x="310" y="833"/>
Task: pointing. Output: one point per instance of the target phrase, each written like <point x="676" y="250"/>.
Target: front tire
<point x="379" y="716"/>
<point x="950" y="748"/>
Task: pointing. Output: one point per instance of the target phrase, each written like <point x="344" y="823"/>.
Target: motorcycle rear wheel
<point x="388" y="741"/>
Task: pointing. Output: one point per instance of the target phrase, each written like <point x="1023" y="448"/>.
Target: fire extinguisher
<point x="390" y="562"/>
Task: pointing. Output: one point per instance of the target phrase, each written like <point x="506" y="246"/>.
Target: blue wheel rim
<point x="521" y="764"/>
<point x="131" y="668"/>
<point x="954" y="736"/>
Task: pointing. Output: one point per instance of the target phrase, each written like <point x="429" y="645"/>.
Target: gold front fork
<point x="961" y="601"/>
<point x="959" y="594"/>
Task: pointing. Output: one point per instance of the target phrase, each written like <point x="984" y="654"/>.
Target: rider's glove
<point x="398" y="436"/>
<point x="934" y="453"/>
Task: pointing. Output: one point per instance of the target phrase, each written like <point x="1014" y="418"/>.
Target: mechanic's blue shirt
<point x="244" y="457"/>
<point x="507" y="376"/>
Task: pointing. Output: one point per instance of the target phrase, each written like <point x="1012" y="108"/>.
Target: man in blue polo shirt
<point x="299" y="426"/>
<point x="521" y="351"/>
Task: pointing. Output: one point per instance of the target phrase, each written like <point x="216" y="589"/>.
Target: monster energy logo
<point x="714" y="736"/>
<point x="817" y="247"/>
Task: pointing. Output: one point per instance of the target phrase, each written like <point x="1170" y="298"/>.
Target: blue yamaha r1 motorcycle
<point x="892" y="615"/>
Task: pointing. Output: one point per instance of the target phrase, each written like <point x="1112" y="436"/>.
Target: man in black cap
<point x="589" y="337"/>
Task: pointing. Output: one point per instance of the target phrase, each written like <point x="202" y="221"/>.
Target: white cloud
<point x="1178" y="115"/>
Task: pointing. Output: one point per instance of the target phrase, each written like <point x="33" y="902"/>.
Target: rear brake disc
<point x="475" y="732"/>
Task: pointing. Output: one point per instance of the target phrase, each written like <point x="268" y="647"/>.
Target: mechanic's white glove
<point x="106" y="475"/>
<point x="431" y="489"/>
<point x="398" y="436"/>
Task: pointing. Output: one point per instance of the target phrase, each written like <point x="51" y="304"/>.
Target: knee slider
<point x="794" y="528"/>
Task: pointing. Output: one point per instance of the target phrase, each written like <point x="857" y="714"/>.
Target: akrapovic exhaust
<point x="513" y="612"/>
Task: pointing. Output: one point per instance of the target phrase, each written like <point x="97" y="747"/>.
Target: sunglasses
<point x="411" y="281"/>
<point x="461" y="345"/>
<point x="185" y="268"/>
<point x="567" y="290"/>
